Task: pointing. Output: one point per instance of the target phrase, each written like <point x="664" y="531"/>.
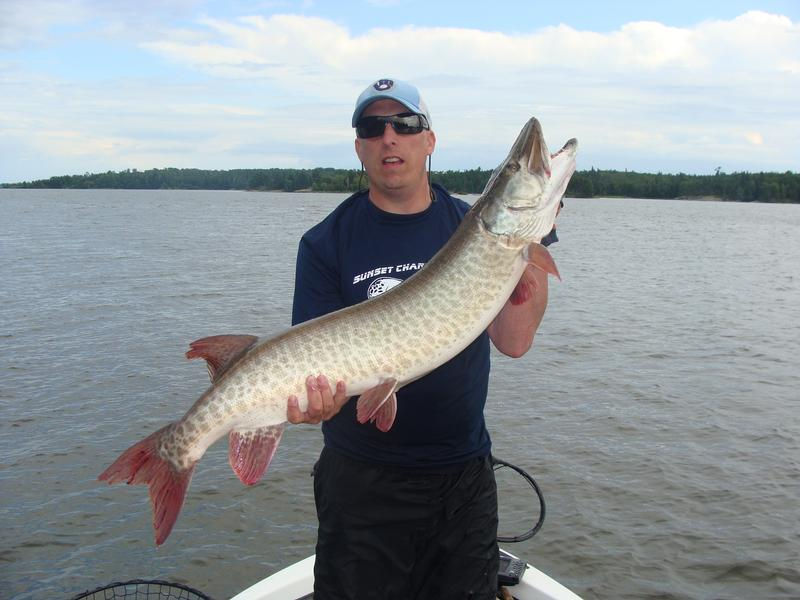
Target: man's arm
<point x="513" y="328"/>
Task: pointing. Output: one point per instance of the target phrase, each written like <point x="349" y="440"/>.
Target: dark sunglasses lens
<point x="369" y="127"/>
<point x="407" y="124"/>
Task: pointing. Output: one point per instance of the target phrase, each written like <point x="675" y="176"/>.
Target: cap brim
<point x="361" y="108"/>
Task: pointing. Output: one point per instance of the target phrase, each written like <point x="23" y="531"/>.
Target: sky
<point x="678" y="86"/>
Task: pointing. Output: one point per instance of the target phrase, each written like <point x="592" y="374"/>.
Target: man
<point x="412" y="512"/>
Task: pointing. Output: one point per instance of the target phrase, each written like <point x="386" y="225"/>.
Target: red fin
<point x="523" y="291"/>
<point x="220" y="351"/>
<point x="250" y="452"/>
<point x="525" y="288"/>
<point x="141" y="464"/>
<point x="384" y="418"/>
<point x="371" y="400"/>
<point x="540" y="258"/>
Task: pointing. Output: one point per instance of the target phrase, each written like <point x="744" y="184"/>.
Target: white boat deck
<point x="296" y="582"/>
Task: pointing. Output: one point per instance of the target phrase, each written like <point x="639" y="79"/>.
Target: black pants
<point x="394" y="533"/>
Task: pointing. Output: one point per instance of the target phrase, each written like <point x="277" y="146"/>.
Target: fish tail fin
<point x="141" y="463"/>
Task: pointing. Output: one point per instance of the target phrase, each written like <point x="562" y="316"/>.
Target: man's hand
<point x="323" y="403"/>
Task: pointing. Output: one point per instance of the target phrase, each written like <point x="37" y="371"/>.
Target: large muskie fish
<point x="376" y="347"/>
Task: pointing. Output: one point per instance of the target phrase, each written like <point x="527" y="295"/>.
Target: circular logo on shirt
<point x="379" y="286"/>
<point x="383" y="84"/>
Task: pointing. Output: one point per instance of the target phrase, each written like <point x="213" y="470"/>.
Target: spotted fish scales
<point x="376" y="347"/>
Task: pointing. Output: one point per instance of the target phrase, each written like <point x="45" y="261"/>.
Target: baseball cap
<point x="392" y="89"/>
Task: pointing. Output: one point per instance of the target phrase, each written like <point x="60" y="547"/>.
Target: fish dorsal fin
<point x="371" y="401"/>
<point x="220" y="351"/>
<point x="251" y="451"/>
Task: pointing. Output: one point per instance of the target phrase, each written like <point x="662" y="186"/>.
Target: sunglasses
<point x="404" y="124"/>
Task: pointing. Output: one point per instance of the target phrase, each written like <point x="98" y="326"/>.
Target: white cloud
<point x="644" y="64"/>
<point x="657" y="88"/>
<point x="23" y="23"/>
<point x="299" y="43"/>
<point x="646" y="96"/>
<point x="754" y="138"/>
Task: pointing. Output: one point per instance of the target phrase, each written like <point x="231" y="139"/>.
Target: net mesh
<point x="143" y="589"/>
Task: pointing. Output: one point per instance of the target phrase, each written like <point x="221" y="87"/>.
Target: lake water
<point x="658" y="410"/>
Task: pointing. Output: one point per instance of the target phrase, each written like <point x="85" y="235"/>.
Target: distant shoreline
<point x="594" y="183"/>
<point x="453" y="192"/>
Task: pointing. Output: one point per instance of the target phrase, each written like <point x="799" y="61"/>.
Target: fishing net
<point x="143" y="589"/>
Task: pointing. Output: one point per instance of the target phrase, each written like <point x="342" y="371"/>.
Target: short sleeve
<point x="317" y="289"/>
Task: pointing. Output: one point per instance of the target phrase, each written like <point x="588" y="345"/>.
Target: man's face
<point x="394" y="161"/>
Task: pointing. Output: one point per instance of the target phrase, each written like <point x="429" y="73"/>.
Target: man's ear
<point x="431" y="142"/>
<point x="358" y="149"/>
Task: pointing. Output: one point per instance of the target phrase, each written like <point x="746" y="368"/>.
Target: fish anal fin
<point x="384" y="418"/>
<point x="538" y="256"/>
<point x="371" y="401"/>
<point x="251" y="451"/>
<point x="220" y="351"/>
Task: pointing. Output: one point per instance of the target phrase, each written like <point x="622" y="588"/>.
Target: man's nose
<point x="389" y="134"/>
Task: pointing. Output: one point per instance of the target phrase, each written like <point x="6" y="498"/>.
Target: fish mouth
<point x="530" y="150"/>
<point x="555" y="169"/>
<point x="522" y="196"/>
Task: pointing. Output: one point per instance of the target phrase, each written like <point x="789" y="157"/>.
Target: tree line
<point x="742" y="187"/>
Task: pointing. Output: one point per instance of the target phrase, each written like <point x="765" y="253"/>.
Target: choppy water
<point x="658" y="410"/>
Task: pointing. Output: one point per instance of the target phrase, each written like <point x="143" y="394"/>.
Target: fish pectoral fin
<point x="384" y="418"/>
<point x="250" y="451"/>
<point x="220" y="351"/>
<point x="525" y="288"/>
<point x="538" y="256"/>
<point x="371" y="401"/>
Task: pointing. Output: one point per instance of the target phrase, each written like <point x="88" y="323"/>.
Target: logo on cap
<point x="383" y="84"/>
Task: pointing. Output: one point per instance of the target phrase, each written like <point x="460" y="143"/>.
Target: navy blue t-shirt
<point x="359" y="251"/>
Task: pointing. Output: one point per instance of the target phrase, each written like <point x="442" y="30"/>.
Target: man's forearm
<point x="513" y="329"/>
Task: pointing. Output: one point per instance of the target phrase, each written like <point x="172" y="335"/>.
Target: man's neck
<point x="402" y="202"/>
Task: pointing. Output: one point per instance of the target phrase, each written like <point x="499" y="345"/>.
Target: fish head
<point x="521" y="199"/>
